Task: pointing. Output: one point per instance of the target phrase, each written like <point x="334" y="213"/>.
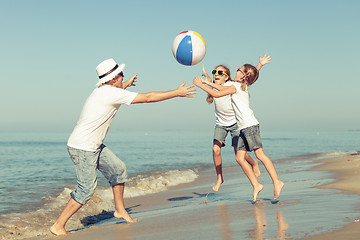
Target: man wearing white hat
<point x="85" y="144"/>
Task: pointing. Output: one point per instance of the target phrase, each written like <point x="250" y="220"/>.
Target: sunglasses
<point x="219" y="72"/>
<point x="121" y="74"/>
<point x="239" y="70"/>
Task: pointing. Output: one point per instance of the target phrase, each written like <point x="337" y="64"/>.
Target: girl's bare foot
<point x="56" y="230"/>
<point x="217" y="185"/>
<point x="125" y="216"/>
<point x="256" y="170"/>
<point x="256" y="191"/>
<point x="277" y="189"/>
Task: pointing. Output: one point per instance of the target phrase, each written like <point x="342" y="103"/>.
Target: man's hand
<point x="132" y="80"/>
<point x="186" y="91"/>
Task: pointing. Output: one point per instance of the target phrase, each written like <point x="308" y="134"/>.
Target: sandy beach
<point x="347" y="173"/>
<point x="313" y="205"/>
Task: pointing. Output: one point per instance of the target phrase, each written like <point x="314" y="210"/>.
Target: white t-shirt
<point x="224" y="112"/>
<point x="97" y="115"/>
<point x="241" y="104"/>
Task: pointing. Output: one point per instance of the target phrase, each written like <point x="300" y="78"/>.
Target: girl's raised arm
<point x="207" y="77"/>
<point x="263" y="60"/>
<point x="198" y="81"/>
<point x="217" y="86"/>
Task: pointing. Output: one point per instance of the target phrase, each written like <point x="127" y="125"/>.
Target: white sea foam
<point x="158" y="182"/>
<point x="100" y="206"/>
<point x="153" y="182"/>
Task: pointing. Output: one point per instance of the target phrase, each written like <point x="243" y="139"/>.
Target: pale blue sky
<point x="49" y="51"/>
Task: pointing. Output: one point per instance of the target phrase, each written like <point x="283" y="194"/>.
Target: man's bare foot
<point x="256" y="170"/>
<point x="125" y="216"/>
<point x="56" y="230"/>
<point x="217" y="185"/>
<point x="277" y="189"/>
<point x="256" y="191"/>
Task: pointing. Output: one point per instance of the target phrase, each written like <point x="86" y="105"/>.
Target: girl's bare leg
<point x="218" y="165"/>
<point x="254" y="164"/>
<point x="120" y="211"/>
<point x="278" y="185"/>
<point x="257" y="187"/>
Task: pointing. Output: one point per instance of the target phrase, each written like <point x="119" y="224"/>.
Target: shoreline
<point x="193" y="210"/>
<point x="347" y="177"/>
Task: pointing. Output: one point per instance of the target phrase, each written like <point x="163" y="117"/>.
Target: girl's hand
<point x="264" y="60"/>
<point x="203" y="71"/>
<point x="207" y="77"/>
<point x="197" y="81"/>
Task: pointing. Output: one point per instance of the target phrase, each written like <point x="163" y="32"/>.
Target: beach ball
<point x="189" y="48"/>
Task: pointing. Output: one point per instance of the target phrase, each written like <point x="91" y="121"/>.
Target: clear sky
<point x="49" y="51"/>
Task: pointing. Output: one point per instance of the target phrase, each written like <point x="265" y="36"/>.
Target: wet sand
<point x="311" y="206"/>
<point x="347" y="172"/>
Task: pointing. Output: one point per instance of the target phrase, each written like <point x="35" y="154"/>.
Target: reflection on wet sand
<point x="261" y="230"/>
<point x="282" y="225"/>
<point x="260" y="222"/>
<point x="223" y="213"/>
<point x="258" y="232"/>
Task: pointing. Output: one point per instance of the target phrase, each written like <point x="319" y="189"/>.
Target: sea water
<point x="37" y="175"/>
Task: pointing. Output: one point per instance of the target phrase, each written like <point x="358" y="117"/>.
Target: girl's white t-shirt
<point x="224" y="112"/>
<point x="97" y="115"/>
<point x="241" y="104"/>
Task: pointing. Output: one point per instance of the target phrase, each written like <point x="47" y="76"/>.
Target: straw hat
<point x="107" y="70"/>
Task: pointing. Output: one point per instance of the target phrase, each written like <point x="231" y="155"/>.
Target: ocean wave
<point x="158" y="181"/>
<point x="37" y="223"/>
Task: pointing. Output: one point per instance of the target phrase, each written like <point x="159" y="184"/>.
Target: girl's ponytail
<point x="210" y="99"/>
<point x="251" y="75"/>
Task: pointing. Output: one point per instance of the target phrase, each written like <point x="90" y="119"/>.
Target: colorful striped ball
<point x="189" y="48"/>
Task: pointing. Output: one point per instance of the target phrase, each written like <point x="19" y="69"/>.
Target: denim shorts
<point x="249" y="138"/>
<point x="87" y="162"/>
<point x="222" y="131"/>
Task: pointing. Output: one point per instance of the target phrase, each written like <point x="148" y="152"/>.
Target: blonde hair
<point x="209" y="97"/>
<point x="251" y="75"/>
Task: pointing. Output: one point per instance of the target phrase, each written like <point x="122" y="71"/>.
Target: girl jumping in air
<point x="249" y="138"/>
<point x="226" y="121"/>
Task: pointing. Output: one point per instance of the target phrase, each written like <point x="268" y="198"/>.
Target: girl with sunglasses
<point x="225" y="123"/>
<point x="249" y="138"/>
